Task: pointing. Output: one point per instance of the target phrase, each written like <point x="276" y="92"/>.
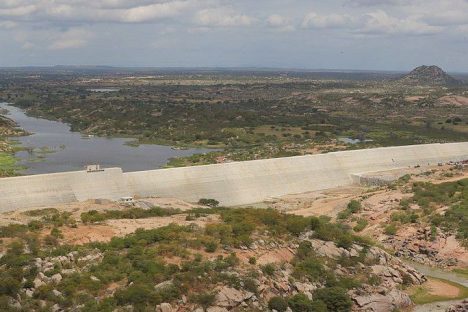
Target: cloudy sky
<point x="327" y="34"/>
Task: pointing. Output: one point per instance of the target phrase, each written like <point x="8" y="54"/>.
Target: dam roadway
<point x="236" y="183"/>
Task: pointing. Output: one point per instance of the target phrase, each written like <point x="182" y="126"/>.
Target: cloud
<point x="7" y="24"/>
<point x="314" y="20"/>
<point x="84" y="11"/>
<point x="377" y="22"/>
<point x="367" y="3"/>
<point x="222" y="17"/>
<point x="71" y="39"/>
<point x="280" y="22"/>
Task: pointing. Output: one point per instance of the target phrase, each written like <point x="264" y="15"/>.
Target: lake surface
<point x="54" y="148"/>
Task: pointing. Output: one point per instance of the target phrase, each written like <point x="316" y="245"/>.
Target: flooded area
<point x="53" y="147"/>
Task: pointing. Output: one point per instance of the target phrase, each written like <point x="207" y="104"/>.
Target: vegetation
<point x="137" y="261"/>
<point x="353" y="207"/>
<point x="430" y="198"/>
<point x="258" y="114"/>
<point x="94" y="216"/>
<point x="422" y="295"/>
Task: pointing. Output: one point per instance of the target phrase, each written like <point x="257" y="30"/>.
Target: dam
<point x="235" y="183"/>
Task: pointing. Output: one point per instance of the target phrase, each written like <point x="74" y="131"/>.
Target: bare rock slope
<point x="429" y="75"/>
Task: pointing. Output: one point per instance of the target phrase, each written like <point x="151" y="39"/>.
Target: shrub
<point x="354" y="206"/>
<point x="253" y="260"/>
<point x="205" y="299"/>
<point x="335" y="298"/>
<point x="55" y="232"/>
<point x="311" y="268"/>
<point x="296" y="224"/>
<point x="268" y="269"/>
<point x="208" y="202"/>
<point x="211" y="246"/>
<point x="300" y="303"/>
<point x="361" y="225"/>
<point x="390" y="229"/>
<point x="278" y="303"/>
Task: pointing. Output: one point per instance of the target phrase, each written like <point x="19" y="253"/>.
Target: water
<point x="54" y="148"/>
<point x="353" y="141"/>
<point x="104" y="90"/>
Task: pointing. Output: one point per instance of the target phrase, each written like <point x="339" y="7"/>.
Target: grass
<point x="462" y="271"/>
<point x="422" y="295"/>
<point x="8" y="165"/>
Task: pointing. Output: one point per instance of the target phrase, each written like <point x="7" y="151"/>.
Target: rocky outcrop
<point x="228" y="297"/>
<point x="428" y="75"/>
<point x="382" y="302"/>
<point x="459" y="307"/>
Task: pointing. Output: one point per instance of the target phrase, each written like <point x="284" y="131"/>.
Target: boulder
<point x="228" y="297"/>
<point x="393" y="300"/>
<point x="216" y="309"/>
<point x="165" y="307"/>
<point x="56" y="278"/>
<point x="458" y="307"/>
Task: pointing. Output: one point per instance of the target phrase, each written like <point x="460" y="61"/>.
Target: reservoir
<point x="52" y="147"/>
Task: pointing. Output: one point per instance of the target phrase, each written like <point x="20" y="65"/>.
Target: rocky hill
<point x="429" y="75"/>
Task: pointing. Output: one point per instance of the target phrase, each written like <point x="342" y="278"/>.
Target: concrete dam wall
<point x="235" y="183"/>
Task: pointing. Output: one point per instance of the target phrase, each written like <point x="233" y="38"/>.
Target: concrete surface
<point x="236" y="183"/>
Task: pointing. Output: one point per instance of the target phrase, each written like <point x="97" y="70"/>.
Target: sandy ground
<point x="441" y="288"/>
<point x="21" y="215"/>
<point x="83" y="234"/>
<point x="326" y="202"/>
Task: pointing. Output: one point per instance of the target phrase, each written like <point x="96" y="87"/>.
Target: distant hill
<point x="429" y="75"/>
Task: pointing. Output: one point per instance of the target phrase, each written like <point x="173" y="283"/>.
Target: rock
<point x="395" y="299"/>
<point x="216" y="309"/>
<point x="14" y="303"/>
<point x="94" y="278"/>
<point x="29" y="292"/>
<point x="56" y="278"/>
<point x="68" y="271"/>
<point x="230" y="297"/>
<point x="57" y="293"/>
<point x="38" y="282"/>
<point x="458" y="307"/>
<point x="165" y="307"/>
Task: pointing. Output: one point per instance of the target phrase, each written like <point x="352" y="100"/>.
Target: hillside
<point x="429" y="75"/>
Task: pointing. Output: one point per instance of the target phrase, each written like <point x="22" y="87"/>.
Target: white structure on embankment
<point x="235" y="183"/>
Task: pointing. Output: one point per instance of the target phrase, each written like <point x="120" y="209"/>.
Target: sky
<point x="309" y="34"/>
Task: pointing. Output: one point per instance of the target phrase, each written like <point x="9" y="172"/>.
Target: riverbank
<point x="71" y="151"/>
<point x="8" y="162"/>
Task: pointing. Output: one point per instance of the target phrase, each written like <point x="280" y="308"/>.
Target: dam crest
<point x="235" y="183"/>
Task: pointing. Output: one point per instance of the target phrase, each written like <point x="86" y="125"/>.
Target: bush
<point x="390" y="229"/>
<point x="208" y="202"/>
<point x="278" y="303"/>
<point x="300" y="303"/>
<point x="211" y="246"/>
<point x="205" y="299"/>
<point x="361" y="225"/>
<point x="268" y="269"/>
<point x="354" y="206"/>
<point x="311" y="268"/>
<point x="296" y="224"/>
<point x="335" y="298"/>
<point x="253" y="260"/>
